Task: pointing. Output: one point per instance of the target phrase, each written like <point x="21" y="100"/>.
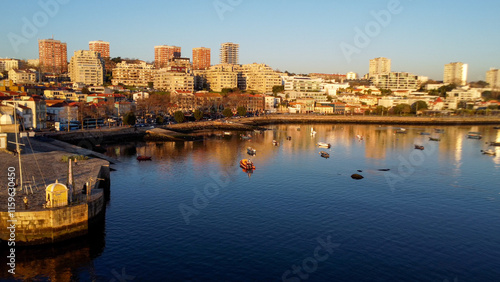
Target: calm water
<point x="434" y="216"/>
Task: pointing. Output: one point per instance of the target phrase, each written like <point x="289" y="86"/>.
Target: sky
<point x="323" y="36"/>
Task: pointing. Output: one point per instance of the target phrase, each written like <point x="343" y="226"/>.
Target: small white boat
<point x="276" y="143"/>
<point x="227" y="133"/>
<point x="359" y="137"/>
<point x="313" y="133"/>
<point x="324" y="145"/>
<point x="489" y="152"/>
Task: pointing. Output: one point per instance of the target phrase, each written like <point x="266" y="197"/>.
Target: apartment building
<point x="8" y="64"/>
<point x="130" y="74"/>
<point x="229" y="53"/>
<point x="22" y="76"/>
<point x="379" y="66"/>
<point x="163" y="53"/>
<point x="396" y="80"/>
<point x="260" y="78"/>
<point x="493" y="78"/>
<point x="172" y="81"/>
<point x="100" y="46"/>
<point x="455" y="73"/>
<point x="223" y="76"/>
<point x="302" y="84"/>
<point x="53" y="56"/>
<point x="201" y="58"/>
<point x="87" y="67"/>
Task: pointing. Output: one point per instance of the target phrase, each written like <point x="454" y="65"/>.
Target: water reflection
<point x="65" y="261"/>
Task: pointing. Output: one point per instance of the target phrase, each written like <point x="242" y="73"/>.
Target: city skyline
<point x="327" y="37"/>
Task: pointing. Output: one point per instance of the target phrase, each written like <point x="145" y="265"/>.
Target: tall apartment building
<point x="493" y="78"/>
<point x="351" y="76"/>
<point x="229" y="53"/>
<point x="164" y="53"/>
<point x="101" y="47"/>
<point x="201" y="58"/>
<point x="379" y="66"/>
<point x="129" y="74"/>
<point x="87" y="67"/>
<point x="53" y="56"/>
<point x="455" y="73"/>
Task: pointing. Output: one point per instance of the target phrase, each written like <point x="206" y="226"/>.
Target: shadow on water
<point x="62" y="261"/>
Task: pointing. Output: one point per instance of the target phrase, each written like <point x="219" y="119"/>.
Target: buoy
<point x="357" y="176"/>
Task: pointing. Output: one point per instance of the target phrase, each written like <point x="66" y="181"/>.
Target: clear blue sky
<point x="298" y="36"/>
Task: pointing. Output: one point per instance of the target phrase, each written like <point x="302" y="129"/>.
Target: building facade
<point x="379" y="66"/>
<point x="302" y="84"/>
<point x="260" y="78"/>
<point x="8" y="64"/>
<point x="493" y="78"/>
<point x="164" y="53"/>
<point x="87" y="67"/>
<point x="455" y="73"/>
<point x="53" y="56"/>
<point x="201" y="58"/>
<point x="396" y="80"/>
<point x="22" y="76"/>
<point x="100" y="46"/>
<point x="223" y="76"/>
<point x="139" y="74"/>
<point x="351" y="75"/>
<point x="229" y="53"/>
<point x="171" y="81"/>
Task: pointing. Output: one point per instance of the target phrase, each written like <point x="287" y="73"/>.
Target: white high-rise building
<point x="455" y="73"/>
<point x="493" y="78"/>
<point x="87" y="67"/>
<point x="379" y="66"/>
<point x="351" y="75"/>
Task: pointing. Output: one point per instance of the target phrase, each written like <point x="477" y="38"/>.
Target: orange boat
<point x="247" y="164"/>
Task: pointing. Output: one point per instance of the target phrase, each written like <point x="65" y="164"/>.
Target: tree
<point x="150" y="85"/>
<point x="227" y="112"/>
<point x="278" y="89"/>
<point x="242" y="111"/>
<point x="402" y="109"/>
<point x="329" y="98"/>
<point x="198" y="114"/>
<point x="129" y="118"/>
<point x="479" y="84"/>
<point x="85" y="90"/>
<point x="385" y="92"/>
<point x="418" y="106"/>
<point x="160" y="120"/>
<point x="379" y="110"/>
<point x="179" y="117"/>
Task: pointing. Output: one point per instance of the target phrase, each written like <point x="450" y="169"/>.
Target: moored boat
<point x="401" y="131"/>
<point x="227" y="133"/>
<point x="324" y="154"/>
<point x="434" y="139"/>
<point x="474" y="135"/>
<point x="419" y="147"/>
<point x="439" y="130"/>
<point x="276" y="143"/>
<point x="143" y="158"/>
<point x="425" y="133"/>
<point x="489" y="152"/>
<point x="247" y="164"/>
<point x="251" y="151"/>
<point x="246" y="137"/>
<point x="324" y="145"/>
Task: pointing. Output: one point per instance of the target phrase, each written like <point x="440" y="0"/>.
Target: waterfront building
<point x="184" y="100"/>
<point x="61" y="111"/>
<point x="455" y="73"/>
<point x="223" y="76"/>
<point x="201" y="58"/>
<point x="395" y="80"/>
<point x="493" y="78"/>
<point x="379" y="66"/>
<point x="260" y="78"/>
<point x="164" y="53"/>
<point x="229" y="53"/>
<point x="171" y="81"/>
<point x="38" y="109"/>
<point x="100" y="46"/>
<point x="332" y="88"/>
<point x="53" y="56"/>
<point x="208" y="101"/>
<point x="57" y="94"/>
<point x="87" y="67"/>
<point x="133" y="74"/>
